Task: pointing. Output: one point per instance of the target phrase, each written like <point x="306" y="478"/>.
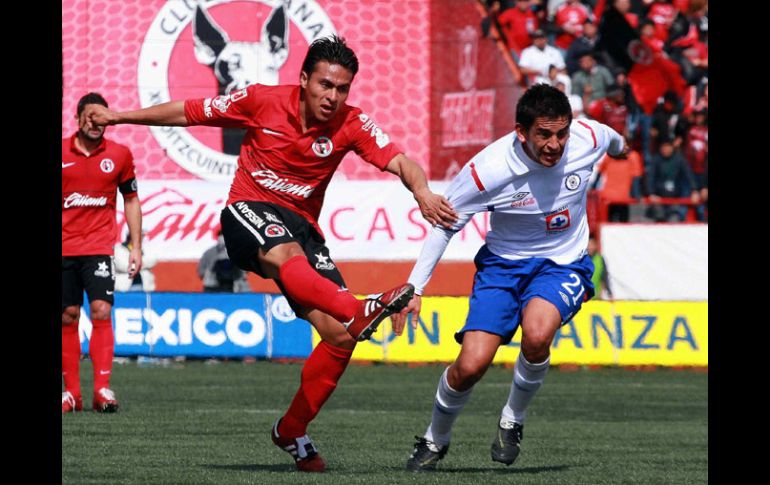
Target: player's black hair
<point x="91" y="98"/>
<point x="333" y="50"/>
<point x="542" y="101"/>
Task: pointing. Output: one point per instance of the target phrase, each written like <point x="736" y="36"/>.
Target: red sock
<point x="311" y="290"/>
<point x="102" y="348"/>
<point x="320" y="374"/>
<point x="70" y="358"/>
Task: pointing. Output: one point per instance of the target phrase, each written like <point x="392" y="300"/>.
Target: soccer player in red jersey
<point x="569" y="18"/>
<point x="296" y="137"/>
<point x="93" y="169"/>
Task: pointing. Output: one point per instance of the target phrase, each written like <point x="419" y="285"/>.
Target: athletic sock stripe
<point x="246" y="224"/>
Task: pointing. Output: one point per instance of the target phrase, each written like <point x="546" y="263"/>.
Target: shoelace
<point x="107" y="394"/>
<point x="428" y="444"/>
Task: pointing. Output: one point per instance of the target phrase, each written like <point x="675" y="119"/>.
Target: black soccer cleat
<point x="507" y="444"/>
<point x="425" y="456"/>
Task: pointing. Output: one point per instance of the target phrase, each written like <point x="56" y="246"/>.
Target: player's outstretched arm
<point x="165" y="114"/>
<point x="434" y="207"/>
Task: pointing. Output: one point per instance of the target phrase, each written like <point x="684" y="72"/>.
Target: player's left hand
<point x="134" y="262"/>
<point x="436" y="209"/>
<point x="399" y="319"/>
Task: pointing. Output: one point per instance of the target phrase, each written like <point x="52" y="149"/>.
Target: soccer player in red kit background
<point x="93" y="167"/>
<point x="296" y="137"/>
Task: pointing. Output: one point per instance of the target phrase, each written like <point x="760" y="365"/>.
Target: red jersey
<point x="89" y="192"/>
<point x="619" y="175"/>
<point x="697" y="147"/>
<point x="662" y="15"/>
<point x="573" y="16"/>
<point x="517" y="27"/>
<point x="610" y="113"/>
<point x="278" y="163"/>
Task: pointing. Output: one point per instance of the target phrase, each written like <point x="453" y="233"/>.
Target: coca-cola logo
<point x="79" y="200"/>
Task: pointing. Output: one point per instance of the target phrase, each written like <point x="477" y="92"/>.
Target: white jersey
<point x="537" y="211"/>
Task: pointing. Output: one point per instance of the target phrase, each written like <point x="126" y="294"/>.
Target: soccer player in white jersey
<point x="534" y="269"/>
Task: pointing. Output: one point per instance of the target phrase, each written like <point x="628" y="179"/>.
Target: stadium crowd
<point x="639" y="66"/>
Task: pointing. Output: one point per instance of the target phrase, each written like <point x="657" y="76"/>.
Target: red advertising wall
<point x="128" y="49"/>
<point x="473" y="94"/>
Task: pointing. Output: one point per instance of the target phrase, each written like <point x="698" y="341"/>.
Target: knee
<point x="100" y="310"/>
<point x="70" y="315"/>
<point x="272" y="260"/>
<point x="537" y="347"/>
<point x="342" y="340"/>
<point x="464" y="374"/>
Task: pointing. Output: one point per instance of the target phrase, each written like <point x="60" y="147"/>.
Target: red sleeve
<point x="236" y="110"/>
<point x="369" y="141"/>
<point x="505" y="18"/>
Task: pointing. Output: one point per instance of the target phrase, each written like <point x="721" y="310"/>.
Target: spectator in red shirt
<point x="696" y="152"/>
<point x="94" y="169"/>
<point x="612" y="110"/>
<point x="620" y="179"/>
<point x="518" y="23"/>
<point x="296" y="137"/>
<point x="584" y="44"/>
<point x="647" y="35"/>
<point x="662" y="13"/>
<point x="569" y="20"/>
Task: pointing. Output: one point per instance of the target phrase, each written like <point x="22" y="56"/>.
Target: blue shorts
<point x="502" y="288"/>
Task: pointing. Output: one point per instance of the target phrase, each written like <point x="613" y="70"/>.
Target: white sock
<point x="527" y="379"/>
<point x="446" y="408"/>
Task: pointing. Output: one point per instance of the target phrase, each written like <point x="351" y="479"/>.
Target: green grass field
<point x="196" y="422"/>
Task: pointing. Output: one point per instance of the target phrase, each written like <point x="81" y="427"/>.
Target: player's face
<point x="326" y="90"/>
<point x="545" y="140"/>
<point x="94" y="133"/>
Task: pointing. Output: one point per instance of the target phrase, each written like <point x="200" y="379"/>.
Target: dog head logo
<point x="240" y="64"/>
<point x="215" y="49"/>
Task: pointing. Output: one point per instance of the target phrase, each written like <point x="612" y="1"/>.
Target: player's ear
<point x="303" y="79"/>
<point x="521" y="133"/>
